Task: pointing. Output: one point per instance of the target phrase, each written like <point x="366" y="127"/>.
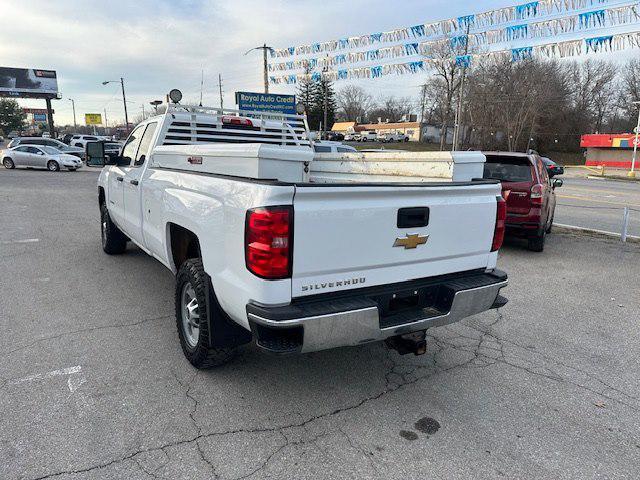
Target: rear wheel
<point x="53" y="166"/>
<point x="8" y="163"/>
<point x="192" y="317"/>
<point x="113" y="240"/>
<point x="536" y="244"/>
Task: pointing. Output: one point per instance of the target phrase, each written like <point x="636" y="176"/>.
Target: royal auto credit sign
<point x="266" y="102"/>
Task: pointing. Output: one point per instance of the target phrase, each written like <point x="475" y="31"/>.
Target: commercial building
<point x="609" y="150"/>
<point x="416" y="131"/>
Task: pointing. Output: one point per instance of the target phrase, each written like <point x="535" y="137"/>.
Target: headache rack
<point x="192" y="125"/>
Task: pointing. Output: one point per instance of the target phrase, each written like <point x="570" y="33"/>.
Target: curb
<point x="614" y="178"/>
<point x="560" y="228"/>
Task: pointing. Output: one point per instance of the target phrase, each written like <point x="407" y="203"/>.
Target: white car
<point x="326" y="146"/>
<point x="81" y="140"/>
<point x="392" y="137"/>
<point x="368" y="136"/>
<point x="263" y="252"/>
<point x="39" y="156"/>
<point x="46" y="135"/>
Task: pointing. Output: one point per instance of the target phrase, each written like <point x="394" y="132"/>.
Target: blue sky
<point x="164" y="44"/>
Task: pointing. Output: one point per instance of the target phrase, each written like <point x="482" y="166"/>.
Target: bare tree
<point x="391" y="109"/>
<point x="353" y="103"/>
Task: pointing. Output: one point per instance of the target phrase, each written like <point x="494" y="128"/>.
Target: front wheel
<point x="113" y="240"/>
<point x="53" y="166"/>
<point x="8" y="163"/>
<point x="192" y="317"/>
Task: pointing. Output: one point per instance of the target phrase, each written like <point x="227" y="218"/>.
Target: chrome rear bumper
<point x="364" y="325"/>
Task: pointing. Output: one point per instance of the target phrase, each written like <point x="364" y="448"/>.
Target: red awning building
<point x="609" y="150"/>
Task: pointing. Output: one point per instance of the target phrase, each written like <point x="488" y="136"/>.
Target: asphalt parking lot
<point x="93" y="383"/>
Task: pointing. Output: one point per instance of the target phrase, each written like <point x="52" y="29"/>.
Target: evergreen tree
<point x="322" y="88"/>
<point x="11" y="116"/>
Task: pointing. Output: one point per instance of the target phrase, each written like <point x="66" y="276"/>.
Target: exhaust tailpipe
<point x="415" y="342"/>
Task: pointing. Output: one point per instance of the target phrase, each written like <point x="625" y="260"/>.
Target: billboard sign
<point x="39" y="117"/>
<point x="93" y="119"/>
<point x="28" y="82"/>
<point x="266" y="102"/>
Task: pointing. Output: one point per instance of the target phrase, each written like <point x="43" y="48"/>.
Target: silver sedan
<point x="39" y="156"/>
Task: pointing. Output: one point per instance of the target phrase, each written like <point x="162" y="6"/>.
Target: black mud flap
<point x="225" y="332"/>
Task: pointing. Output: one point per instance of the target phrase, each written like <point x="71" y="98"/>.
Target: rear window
<point x="321" y="148"/>
<point x="508" y="169"/>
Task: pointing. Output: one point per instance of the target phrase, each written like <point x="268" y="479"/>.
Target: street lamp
<point x="155" y="104"/>
<point x="73" y="105"/>
<point x="632" y="172"/>
<point x="124" y="100"/>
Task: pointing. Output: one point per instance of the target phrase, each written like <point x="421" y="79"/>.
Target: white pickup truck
<point x="262" y="251"/>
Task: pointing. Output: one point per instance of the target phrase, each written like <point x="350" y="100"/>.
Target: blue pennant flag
<point x="459" y="41"/>
<point x="417" y="30"/>
<point x="343" y="43"/>
<point x="289" y="65"/>
<point x="411" y="48"/>
<point x="292" y="50"/>
<point x="272" y="79"/>
<point x="340" y="59"/>
<point x="315" y="48"/>
<point x="376" y="71"/>
<point x="595" y="44"/>
<point x="589" y="19"/>
<point x="316" y="77"/>
<point x="291" y="79"/>
<point x="466" y="21"/>
<point x="416" y="66"/>
<point x="343" y="74"/>
<point x="463" y="61"/>
<point x="516" y="31"/>
<point x="527" y="10"/>
<point x="523" y="53"/>
<point x="312" y="63"/>
<point x="375" y="37"/>
<point x="373" y="54"/>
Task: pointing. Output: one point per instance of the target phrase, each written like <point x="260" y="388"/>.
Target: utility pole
<point x="220" y="88"/>
<point x="106" y="126"/>
<point x="143" y="114"/>
<point x="124" y="101"/>
<point x="201" y="84"/>
<point x="73" y="105"/>
<point x="458" y="117"/>
<point x="324" y="81"/>
<point x="264" y="49"/>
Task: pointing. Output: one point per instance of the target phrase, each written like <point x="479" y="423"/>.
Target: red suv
<point x="529" y="192"/>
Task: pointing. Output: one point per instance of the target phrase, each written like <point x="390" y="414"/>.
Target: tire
<point x="53" y="166"/>
<point x="72" y="169"/>
<point x="536" y="244"/>
<point x="8" y="163"/>
<point x="191" y="289"/>
<point x="114" y="241"/>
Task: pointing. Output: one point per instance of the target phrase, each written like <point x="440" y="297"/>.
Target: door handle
<point x="133" y="182"/>
<point x="120" y="179"/>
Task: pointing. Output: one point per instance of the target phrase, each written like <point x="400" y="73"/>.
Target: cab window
<point x="145" y="143"/>
<point x="131" y="146"/>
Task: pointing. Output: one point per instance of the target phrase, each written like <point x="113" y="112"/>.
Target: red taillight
<point x="536" y="194"/>
<point x="237" y="121"/>
<point x="501" y="217"/>
<point x="268" y="234"/>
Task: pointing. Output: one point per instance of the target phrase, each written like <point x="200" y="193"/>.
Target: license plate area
<point x="406" y="306"/>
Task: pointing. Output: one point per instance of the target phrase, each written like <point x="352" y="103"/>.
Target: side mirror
<point x="557" y="182"/>
<point x="95" y="154"/>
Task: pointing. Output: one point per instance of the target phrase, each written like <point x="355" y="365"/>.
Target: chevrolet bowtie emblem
<point x="411" y="241"/>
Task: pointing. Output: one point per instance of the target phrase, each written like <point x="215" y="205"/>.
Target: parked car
<point x="49" y="142"/>
<point x="259" y="252"/>
<point x="39" y="156"/>
<point x="334" y="137"/>
<point x="46" y="135"/>
<point x="13" y="134"/>
<point x="326" y="146"/>
<point x="368" y="136"/>
<point x="81" y="140"/>
<point x="553" y="168"/>
<point x="387" y="137"/>
<point x="529" y="192"/>
<point x="350" y="137"/>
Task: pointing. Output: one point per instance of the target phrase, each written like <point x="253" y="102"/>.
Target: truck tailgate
<point x="344" y="235"/>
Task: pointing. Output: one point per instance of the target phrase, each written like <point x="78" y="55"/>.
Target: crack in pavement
<point x="83" y="330"/>
<point x="398" y="376"/>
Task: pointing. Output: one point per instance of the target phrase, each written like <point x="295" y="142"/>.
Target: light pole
<point x="73" y="105"/>
<point x="124" y="100"/>
<point x="155" y="104"/>
<point x="632" y="172"/>
<point x="265" y="72"/>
